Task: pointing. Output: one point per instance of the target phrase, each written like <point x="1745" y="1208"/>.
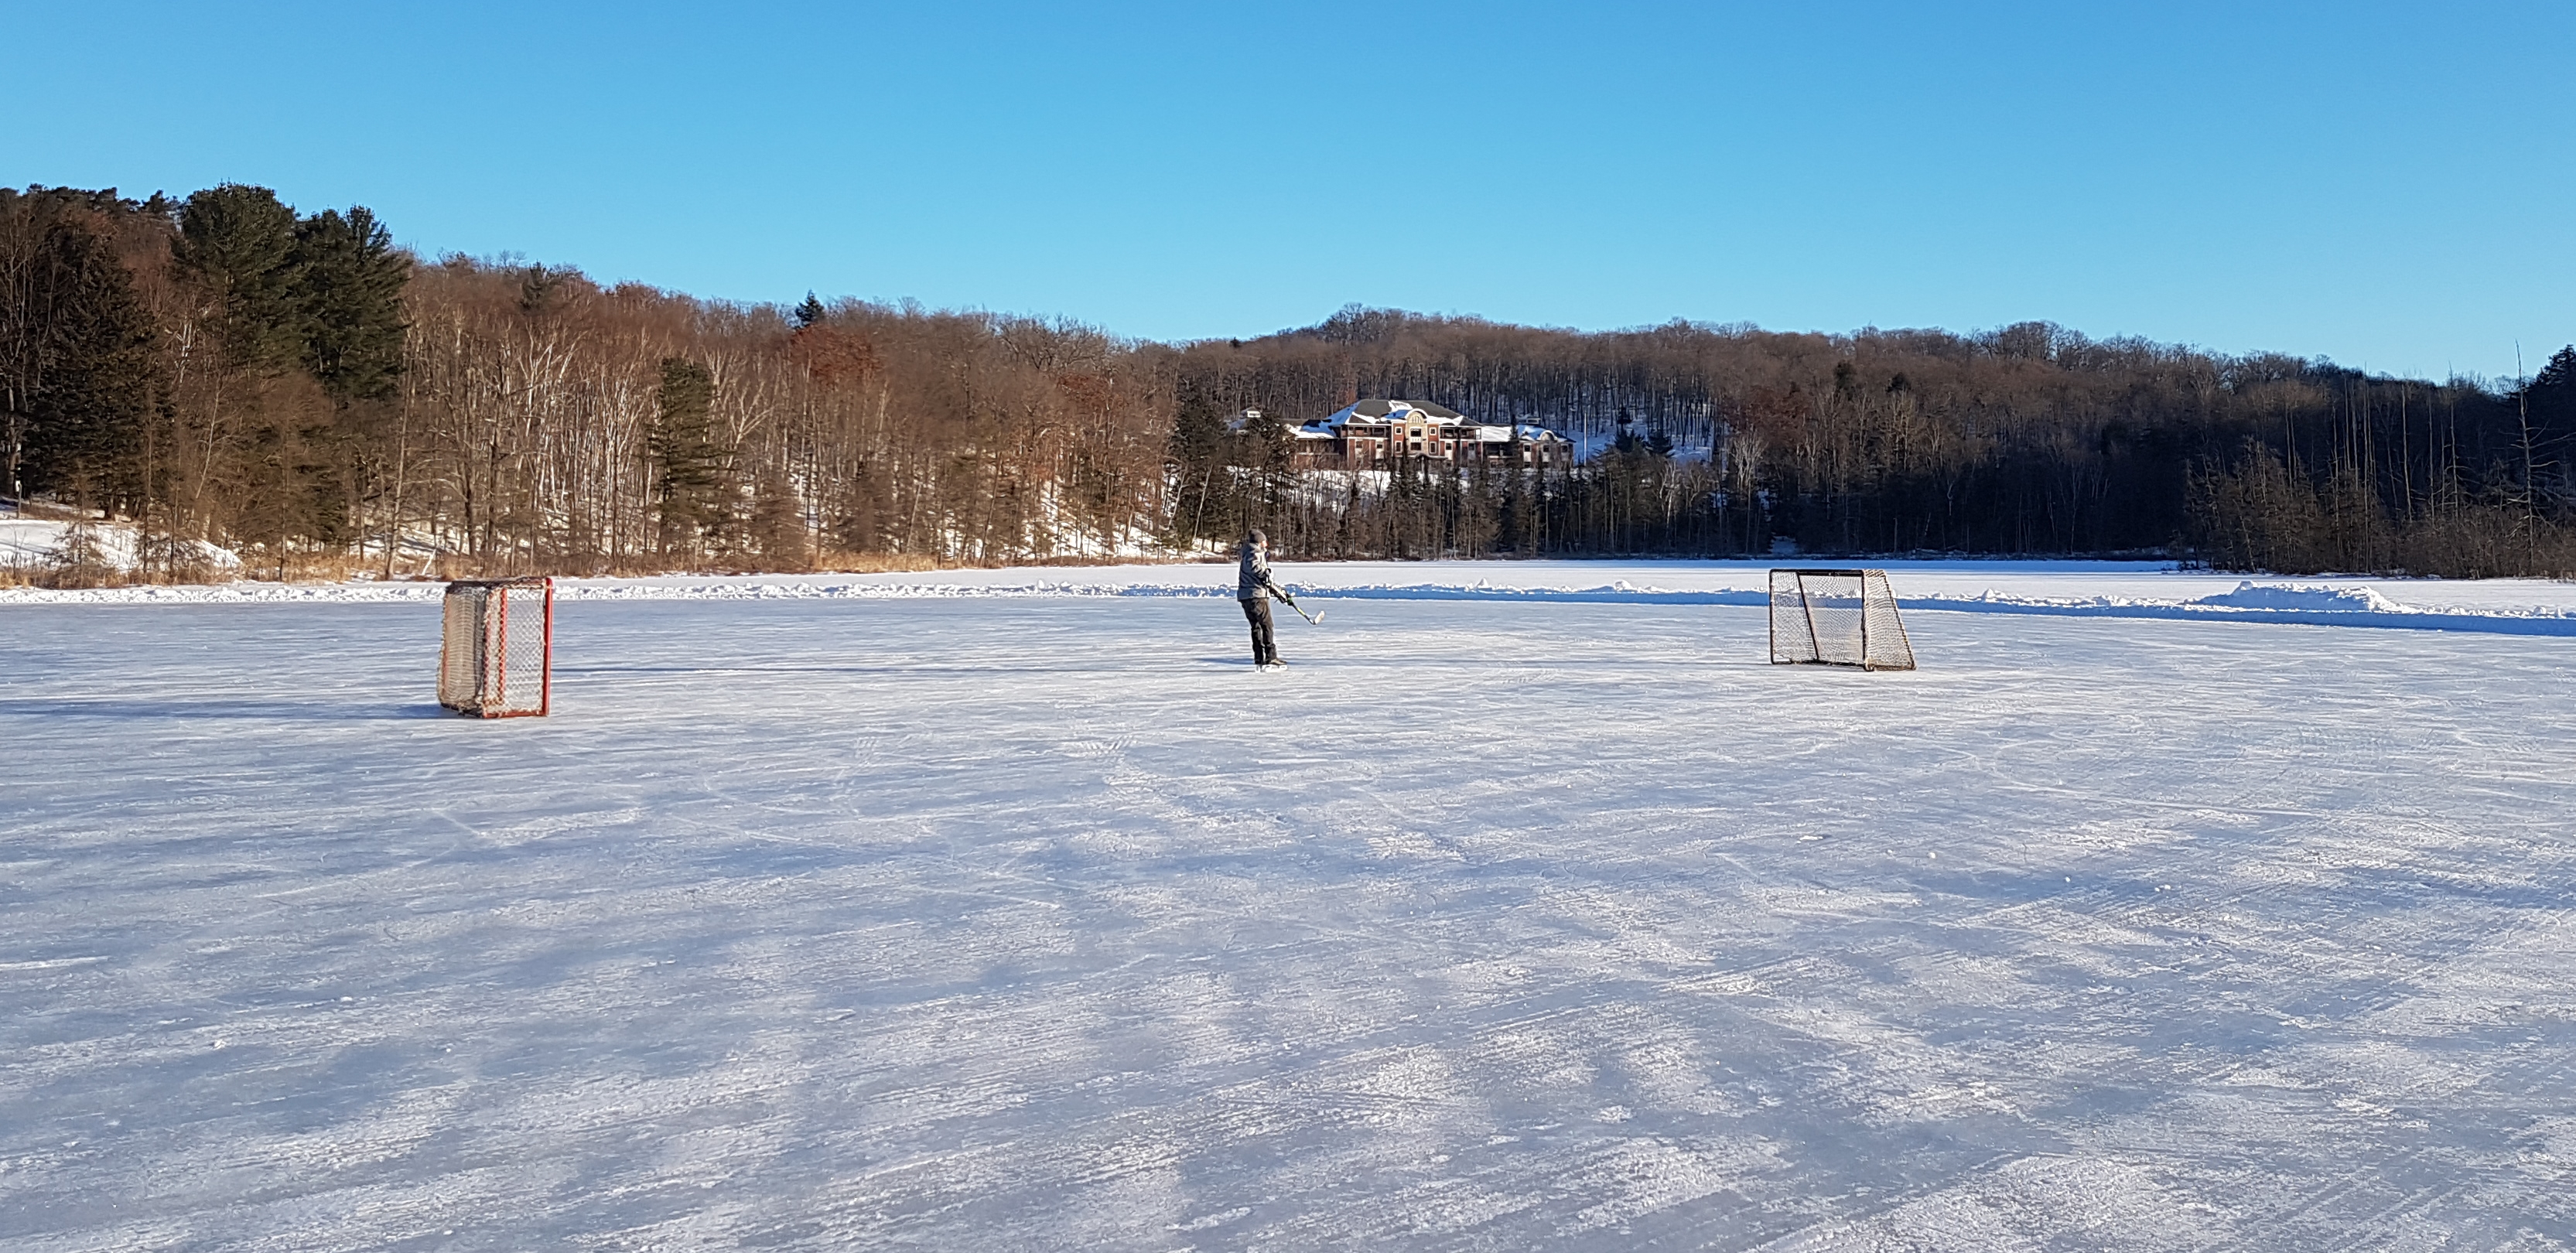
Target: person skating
<point x="1254" y="587"/>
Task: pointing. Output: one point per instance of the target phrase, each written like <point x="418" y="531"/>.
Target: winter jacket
<point x="1254" y="580"/>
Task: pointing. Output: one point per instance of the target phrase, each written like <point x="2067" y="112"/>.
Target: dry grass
<point x="873" y="563"/>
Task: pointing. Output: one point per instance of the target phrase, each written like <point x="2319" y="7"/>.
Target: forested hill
<point x="2028" y="439"/>
<point x="299" y="388"/>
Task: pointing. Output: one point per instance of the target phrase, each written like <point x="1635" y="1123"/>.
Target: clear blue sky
<point x="2393" y="186"/>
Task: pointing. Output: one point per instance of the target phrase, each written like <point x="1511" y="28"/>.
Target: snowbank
<point x="2304" y="596"/>
<point x="2057" y="589"/>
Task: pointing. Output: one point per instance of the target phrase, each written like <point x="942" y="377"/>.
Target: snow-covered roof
<point x="1389" y="411"/>
<point x="1409" y="411"/>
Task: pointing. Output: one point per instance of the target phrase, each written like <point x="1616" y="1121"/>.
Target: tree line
<point x="2031" y="439"/>
<point x="222" y="370"/>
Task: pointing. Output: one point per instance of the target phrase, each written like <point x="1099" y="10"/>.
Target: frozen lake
<point x="1021" y="921"/>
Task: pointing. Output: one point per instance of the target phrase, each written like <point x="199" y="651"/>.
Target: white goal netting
<point x="1837" y="618"/>
<point x="496" y="650"/>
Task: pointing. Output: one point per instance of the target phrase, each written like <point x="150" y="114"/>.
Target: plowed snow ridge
<point x="2308" y="602"/>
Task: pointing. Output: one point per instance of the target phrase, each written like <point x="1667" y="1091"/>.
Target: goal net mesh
<point x="1837" y="618"/>
<point x="496" y="647"/>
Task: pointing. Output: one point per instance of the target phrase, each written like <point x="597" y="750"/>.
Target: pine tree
<point x="100" y="378"/>
<point x="778" y="527"/>
<point x="2551" y="393"/>
<point x="809" y="312"/>
<point x="80" y="560"/>
<point x="1197" y="454"/>
<point x="540" y="286"/>
<point x="689" y="462"/>
<point x="237" y="243"/>
<point x="349" y="281"/>
<point x="278" y="293"/>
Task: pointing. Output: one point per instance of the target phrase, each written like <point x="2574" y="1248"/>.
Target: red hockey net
<point x="496" y="651"/>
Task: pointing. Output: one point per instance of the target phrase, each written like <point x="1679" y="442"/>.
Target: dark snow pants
<point x="1264" y="651"/>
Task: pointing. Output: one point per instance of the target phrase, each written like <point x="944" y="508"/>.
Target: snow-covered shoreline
<point x="2060" y="589"/>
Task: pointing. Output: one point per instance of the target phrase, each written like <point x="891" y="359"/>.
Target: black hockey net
<point x="1837" y="618"/>
<point x="496" y="647"/>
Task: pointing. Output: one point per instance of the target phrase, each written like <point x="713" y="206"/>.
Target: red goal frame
<point x="482" y="671"/>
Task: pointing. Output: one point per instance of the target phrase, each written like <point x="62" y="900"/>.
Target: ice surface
<point x="991" y="919"/>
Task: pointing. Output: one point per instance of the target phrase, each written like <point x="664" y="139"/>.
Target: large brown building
<point x="1374" y="434"/>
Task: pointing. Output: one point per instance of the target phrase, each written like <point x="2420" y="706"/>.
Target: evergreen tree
<point x="809" y="312"/>
<point x="1626" y="440"/>
<point x="2560" y="373"/>
<point x="2552" y="392"/>
<point x="277" y="294"/>
<point x="96" y="378"/>
<point x="349" y="281"/>
<point x="80" y="560"/>
<point x="689" y="462"/>
<point x="778" y="527"/>
<point x="540" y="287"/>
<point x="1197" y="454"/>
<point x="237" y="243"/>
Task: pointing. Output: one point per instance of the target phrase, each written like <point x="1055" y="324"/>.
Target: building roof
<point x="1389" y="411"/>
<point x="1455" y="426"/>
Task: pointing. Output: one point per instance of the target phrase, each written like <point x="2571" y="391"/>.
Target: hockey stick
<point x="1315" y="619"/>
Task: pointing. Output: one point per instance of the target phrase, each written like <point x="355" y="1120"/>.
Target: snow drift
<point x="2026" y="590"/>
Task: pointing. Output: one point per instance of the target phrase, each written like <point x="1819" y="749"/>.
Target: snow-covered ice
<point x="1012" y="909"/>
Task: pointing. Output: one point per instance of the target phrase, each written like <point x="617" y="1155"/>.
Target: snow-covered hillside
<point x="1011" y="909"/>
<point x="31" y="544"/>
